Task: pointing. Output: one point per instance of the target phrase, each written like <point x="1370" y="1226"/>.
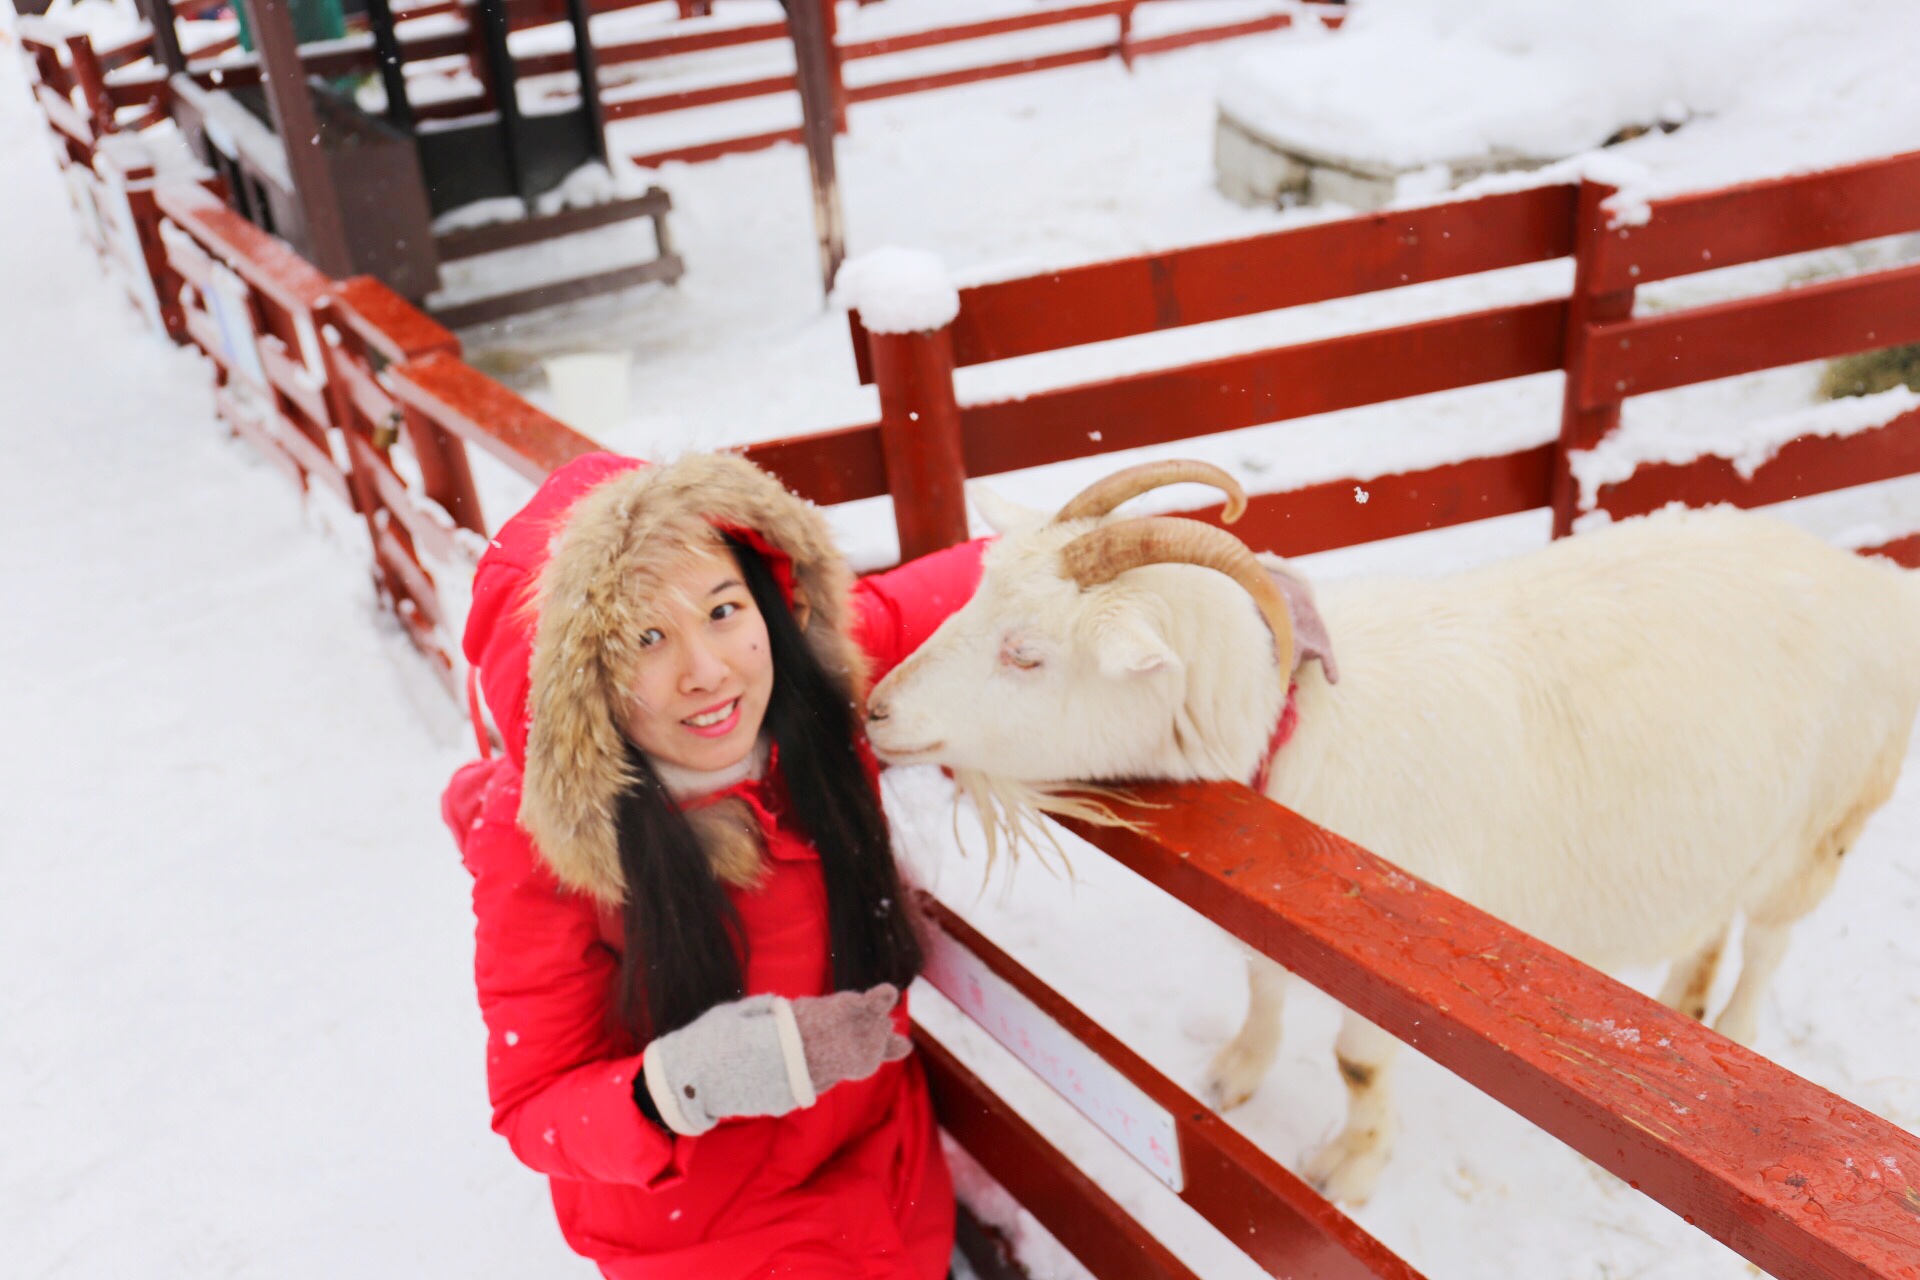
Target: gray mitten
<point x="765" y="1055"/>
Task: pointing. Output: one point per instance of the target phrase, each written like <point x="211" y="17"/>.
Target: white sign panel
<point x="1093" y="1085"/>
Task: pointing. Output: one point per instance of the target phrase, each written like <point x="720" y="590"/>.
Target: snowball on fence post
<point x="907" y="306"/>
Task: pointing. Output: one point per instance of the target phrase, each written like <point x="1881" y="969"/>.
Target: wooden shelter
<point x="357" y="191"/>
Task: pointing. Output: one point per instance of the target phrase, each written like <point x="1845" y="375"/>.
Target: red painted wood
<point x="247" y="425"/>
<point x="1810" y="464"/>
<point x="1905" y="550"/>
<point x="973" y="75"/>
<point x="975" y="30"/>
<point x="1095" y="1229"/>
<point x="653" y="104"/>
<point x="1757" y="220"/>
<point x="1265" y="1211"/>
<point x="1794" y="1178"/>
<point x="1323" y="516"/>
<point x="1835" y="317"/>
<point x="1206" y="35"/>
<point x="268" y="264"/>
<point x="1340" y="259"/>
<point x="387" y="322"/>
<point x="827" y="467"/>
<point x="1584" y="427"/>
<point x="655" y="47"/>
<point x="713" y="150"/>
<point x="920" y="439"/>
<point x="1264" y="386"/>
<point x="480" y="411"/>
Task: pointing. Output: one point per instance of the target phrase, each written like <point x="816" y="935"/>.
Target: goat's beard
<point x="1015" y="812"/>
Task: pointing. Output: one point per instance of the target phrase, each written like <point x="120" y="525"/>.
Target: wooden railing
<point x="353" y="393"/>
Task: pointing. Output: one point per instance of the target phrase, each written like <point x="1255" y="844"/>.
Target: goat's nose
<point x="877" y="711"/>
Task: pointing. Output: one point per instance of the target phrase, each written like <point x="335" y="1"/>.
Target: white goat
<point x="1616" y="743"/>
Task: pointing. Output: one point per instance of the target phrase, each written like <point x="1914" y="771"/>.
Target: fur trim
<point x="607" y="562"/>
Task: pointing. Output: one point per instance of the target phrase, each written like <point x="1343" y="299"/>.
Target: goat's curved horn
<point x="1103" y="554"/>
<point x="1102" y="496"/>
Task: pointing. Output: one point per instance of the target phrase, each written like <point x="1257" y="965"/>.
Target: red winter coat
<point x="854" y="1186"/>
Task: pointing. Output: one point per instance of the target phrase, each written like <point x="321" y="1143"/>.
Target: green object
<point x="312" y="20"/>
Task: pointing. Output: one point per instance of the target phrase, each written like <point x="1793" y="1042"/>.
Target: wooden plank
<point x="1206" y="35"/>
<point x="664" y="270"/>
<point x="975" y="30"/>
<point x="268" y="264"/>
<point x="64" y="116"/>
<point x="713" y="150"/>
<point x="1833" y="318"/>
<point x="1264" y="386"/>
<point x="973" y="75"/>
<point x="656" y="47"/>
<point x="1151" y="292"/>
<point x="367" y="397"/>
<point x="1810" y="464"/>
<point x="1095" y="1229"/>
<point x="428" y="534"/>
<point x="415" y="583"/>
<point x="680" y="99"/>
<point x="249" y="427"/>
<point x="387" y="322"/>
<point x="827" y="467"/>
<point x="1725" y="227"/>
<point x="464" y="401"/>
<point x="1794" y="1178"/>
<point x="1904" y="551"/>
<point x="1344" y="513"/>
<point x="496" y="236"/>
<point x="1264" y="1210"/>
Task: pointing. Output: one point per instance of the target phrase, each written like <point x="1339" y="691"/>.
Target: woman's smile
<point x="716" y="721"/>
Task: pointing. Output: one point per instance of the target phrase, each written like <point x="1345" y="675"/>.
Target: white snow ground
<point x="239" y="1033"/>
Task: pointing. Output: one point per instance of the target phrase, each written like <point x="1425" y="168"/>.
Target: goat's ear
<point x="1130" y="645"/>
<point x="1310" y="638"/>
<point x="1002" y="516"/>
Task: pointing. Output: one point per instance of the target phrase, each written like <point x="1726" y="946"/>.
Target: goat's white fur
<point x="1616" y="743"/>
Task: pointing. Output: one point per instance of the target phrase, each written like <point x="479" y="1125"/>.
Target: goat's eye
<point x="1018" y="657"/>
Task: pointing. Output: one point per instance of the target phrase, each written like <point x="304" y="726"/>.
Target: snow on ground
<point x="236" y="979"/>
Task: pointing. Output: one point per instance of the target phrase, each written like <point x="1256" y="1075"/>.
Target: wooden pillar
<point x="920" y="435"/>
<point x="1583" y="427"/>
<point x="813" y="57"/>
<point x="386" y="47"/>
<point x="166" y="37"/>
<point x="587" y="65"/>
<point x="491" y="18"/>
<point x="285" y="81"/>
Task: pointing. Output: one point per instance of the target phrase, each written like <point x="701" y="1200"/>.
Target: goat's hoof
<point x="1347" y="1176"/>
<point x="1232" y="1078"/>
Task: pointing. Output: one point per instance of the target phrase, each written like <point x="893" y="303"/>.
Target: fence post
<point x="1583" y="428"/>
<point x="920" y="435"/>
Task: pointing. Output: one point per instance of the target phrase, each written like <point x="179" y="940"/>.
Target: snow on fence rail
<point x="352" y="391"/>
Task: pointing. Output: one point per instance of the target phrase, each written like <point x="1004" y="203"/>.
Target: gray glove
<point x="765" y="1055"/>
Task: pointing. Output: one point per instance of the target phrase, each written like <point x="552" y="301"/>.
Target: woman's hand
<point x="848" y="1034"/>
<point x="765" y="1056"/>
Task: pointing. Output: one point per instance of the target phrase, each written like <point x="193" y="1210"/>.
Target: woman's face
<point x="700" y="685"/>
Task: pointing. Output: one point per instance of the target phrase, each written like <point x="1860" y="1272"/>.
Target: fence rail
<point x="341" y="383"/>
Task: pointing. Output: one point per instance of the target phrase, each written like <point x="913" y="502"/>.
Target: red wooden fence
<point x="352" y="392"/>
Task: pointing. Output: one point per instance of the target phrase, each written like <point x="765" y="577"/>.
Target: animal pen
<point x="347" y="388"/>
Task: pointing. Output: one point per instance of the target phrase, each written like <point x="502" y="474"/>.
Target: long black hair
<point x="683" y="940"/>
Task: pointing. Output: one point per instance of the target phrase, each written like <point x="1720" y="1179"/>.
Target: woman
<point x="690" y="936"/>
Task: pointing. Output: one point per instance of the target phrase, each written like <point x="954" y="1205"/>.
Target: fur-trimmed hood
<point x="556" y="604"/>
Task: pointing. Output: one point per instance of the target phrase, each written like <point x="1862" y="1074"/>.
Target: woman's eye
<point x="721" y="612"/>
<point x="651" y="637"/>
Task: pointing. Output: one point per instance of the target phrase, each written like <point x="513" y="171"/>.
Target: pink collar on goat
<point x="1289" y="721"/>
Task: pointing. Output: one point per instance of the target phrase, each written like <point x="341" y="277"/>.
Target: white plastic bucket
<point x="590" y="388"/>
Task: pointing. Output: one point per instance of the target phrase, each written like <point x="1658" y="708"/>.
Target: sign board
<point x="1096" y="1088"/>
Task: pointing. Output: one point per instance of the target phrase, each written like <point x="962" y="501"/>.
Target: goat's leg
<point x="1239" y="1068"/>
<point x="1691" y="979"/>
<point x="1761" y="950"/>
<point x="1349" y="1166"/>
